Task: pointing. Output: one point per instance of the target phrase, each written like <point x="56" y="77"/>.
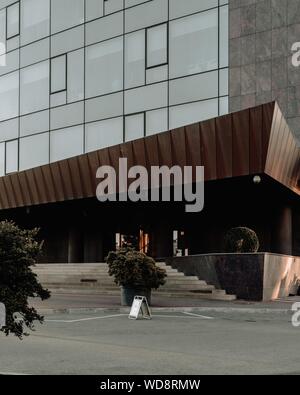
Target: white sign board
<point x="2" y="315"/>
<point x="140" y="304"/>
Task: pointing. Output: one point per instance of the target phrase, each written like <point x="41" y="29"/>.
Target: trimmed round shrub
<point x="131" y="268"/>
<point x="241" y="240"/>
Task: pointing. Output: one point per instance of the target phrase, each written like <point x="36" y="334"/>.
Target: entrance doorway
<point x="180" y="247"/>
<point x="138" y="240"/>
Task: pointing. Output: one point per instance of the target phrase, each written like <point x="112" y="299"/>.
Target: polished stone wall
<point x="261" y="36"/>
<point x="256" y="277"/>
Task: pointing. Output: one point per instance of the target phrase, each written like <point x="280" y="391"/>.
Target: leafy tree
<point x="19" y="250"/>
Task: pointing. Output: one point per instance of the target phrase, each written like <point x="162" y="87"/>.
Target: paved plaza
<point x="232" y="338"/>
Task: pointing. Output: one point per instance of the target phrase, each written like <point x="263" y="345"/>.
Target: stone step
<point x="116" y="292"/>
<point x="165" y="288"/>
<point x="89" y="272"/>
<point x="100" y="282"/>
<point x="219" y="292"/>
<point x="186" y="287"/>
<point x="47" y="266"/>
<point x="65" y="277"/>
<point x="198" y="295"/>
<point x="68" y="278"/>
<point x="81" y="286"/>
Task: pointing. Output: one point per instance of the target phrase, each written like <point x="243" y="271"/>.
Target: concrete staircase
<point x="93" y="278"/>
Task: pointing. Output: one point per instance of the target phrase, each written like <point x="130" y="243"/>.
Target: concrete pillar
<point x="282" y="233"/>
<point x="75" y="248"/>
<point x="93" y="246"/>
<point x="162" y="241"/>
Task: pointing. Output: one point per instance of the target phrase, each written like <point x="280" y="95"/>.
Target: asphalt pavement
<point x="207" y="340"/>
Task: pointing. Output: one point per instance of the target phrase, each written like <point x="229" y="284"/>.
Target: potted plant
<point x="135" y="272"/>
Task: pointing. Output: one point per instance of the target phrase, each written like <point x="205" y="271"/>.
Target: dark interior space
<point x="85" y="230"/>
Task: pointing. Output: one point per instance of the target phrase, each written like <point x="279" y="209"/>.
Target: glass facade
<point x="79" y="75"/>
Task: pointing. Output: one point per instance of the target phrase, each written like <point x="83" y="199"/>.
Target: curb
<point x="126" y="310"/>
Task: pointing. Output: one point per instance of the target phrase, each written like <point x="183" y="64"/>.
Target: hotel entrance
<point x="139" y="240"/>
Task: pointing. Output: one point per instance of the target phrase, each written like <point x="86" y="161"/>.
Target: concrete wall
<point x="281" y="276"/>
<point x="261" y="36"/>
<point x="257" y="277"/>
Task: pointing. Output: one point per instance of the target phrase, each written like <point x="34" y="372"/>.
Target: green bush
<point x="135" y="269"/>
<point x="19" y="250"/>
<point x="241" y="240"/>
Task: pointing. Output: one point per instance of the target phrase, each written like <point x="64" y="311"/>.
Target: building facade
<point x="85" y="82"/>
<point x="80" y="75"/>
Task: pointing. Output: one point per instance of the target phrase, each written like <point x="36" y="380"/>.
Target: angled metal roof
<point x="253" y="141"/>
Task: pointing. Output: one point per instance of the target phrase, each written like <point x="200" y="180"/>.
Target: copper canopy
<point x="248" y="142"/>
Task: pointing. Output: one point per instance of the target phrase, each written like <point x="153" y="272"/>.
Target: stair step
<point x="93" y="278"/>
<point x="187" y="287"/>
<point x="116" y="292"/>
<point x="198" y="295"/>
<point x="81" y="286"/>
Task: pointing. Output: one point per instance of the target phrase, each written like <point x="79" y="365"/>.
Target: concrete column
<point x="162" y="241"/>
<point x="93" y="246"/>
<point x="75" y="248"/>
<point x="282" y="239"/>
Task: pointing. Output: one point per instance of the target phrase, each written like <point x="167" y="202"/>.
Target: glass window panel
<point x="35" y="88"/>
<point x="65" y="116"/>
<point x="12" y="18"/>
<point x="66" y="14"/>
<point x="66" y="143"/>
<point x="224" y="36"/>
<point x="223" y="82"/>
<point x="104" y="134"/>
<point x="94" y="9"/>
<point x="146" y="98"/>
<point x="9" y="130"/>
<point x="2" y="32"/>
<point x="194" y="112"/>
<point x="157" y="74"/>
<point x="35" y="52"/>
<point x="224" y="105"/>
<point x="194" y="88"/>
<point x="157" y="45"/>
<point x="2" y="159"/>
<point x="11" y="157"/>
<point x="34" y="151"/>
<point x="12" y="43"/>
<point x="58" y="99"/>
<point x="134" y="127"/>
<point x="180" y="8"/>
<point x="75" y="75"/>
<point x="104" y="28"/>
<point x="9" y="92"/>
<point x="104" y="67"/>
<point x="35" y="21"/>
<point x="194" y="44"/>
<point x="112" y="6"/>
<point x="135" y="59"/>
<point x="59" y="74"/>
<point x="104" y="107"/>
<point x="150" y="13"/>
<point x="34" y="123"/>
<point x="156" y="121"/>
